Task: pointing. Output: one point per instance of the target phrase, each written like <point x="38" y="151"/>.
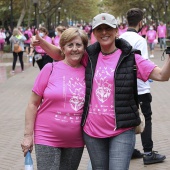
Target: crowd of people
<point x="85" y="93"/>
<point x="99" y="94"/>
<point x="153" y="34"/>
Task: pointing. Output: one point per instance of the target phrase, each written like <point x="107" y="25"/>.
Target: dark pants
<point x="45" y="59"/>
<point x="146" y="137"/>
<point x="15" y="56"/>
<point x="53" y="158"/>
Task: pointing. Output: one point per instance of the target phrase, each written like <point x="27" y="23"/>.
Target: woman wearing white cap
<point x="110" y="110"/>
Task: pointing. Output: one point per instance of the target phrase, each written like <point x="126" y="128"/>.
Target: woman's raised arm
<point x="53" y="51"/>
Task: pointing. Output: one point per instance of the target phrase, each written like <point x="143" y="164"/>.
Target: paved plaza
<point x="15" y="91"/>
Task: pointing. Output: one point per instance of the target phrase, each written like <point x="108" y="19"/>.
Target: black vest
<point x="126" y="109"/>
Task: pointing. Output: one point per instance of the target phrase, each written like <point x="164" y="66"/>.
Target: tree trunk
<point x="21" y="17"/>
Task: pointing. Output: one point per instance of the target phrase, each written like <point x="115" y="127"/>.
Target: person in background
<point x="122" y="28"/>
<point x="87" y="29"/>
<point x="33" y="29"/>
<point x="21" y="29"/>
<point x="110" y="111"/>
<point x="144" y="30"/>
<point x="151" y="37"/>
<point x="134" y="18"/>
<point x="28" y="34"/>
<point x="51" y="31"/>
<point x="19" y="38"/>
<point x="58" y="31"/>
<point x="54" y="111"/>
<point x="43" y="57"/>
<point x="92" y="38"/>
<point x="8" y="34"/>
<point x="168" y="30"/>
<point x="2" y="41"/>
<point x="162" y="33"/>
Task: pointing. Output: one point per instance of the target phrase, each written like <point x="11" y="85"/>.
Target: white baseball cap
<point x="104" y="18"/>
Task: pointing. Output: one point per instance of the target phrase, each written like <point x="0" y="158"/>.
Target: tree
<point x="119" y="8"/>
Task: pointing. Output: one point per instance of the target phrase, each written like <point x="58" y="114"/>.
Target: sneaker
<point x="136" y="154"/>
<point x="153" y="157"/>
<point x="152" y="56"/>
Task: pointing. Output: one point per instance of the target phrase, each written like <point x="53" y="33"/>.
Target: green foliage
<point x="7" y="48"/>
<point x="23" y="12"/>
<point x="47" y="10"/>
<point x="119" y="8"/>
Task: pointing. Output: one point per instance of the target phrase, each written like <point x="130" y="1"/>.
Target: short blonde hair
<point x="71" y="33"/>
<point x="15" y="32"/>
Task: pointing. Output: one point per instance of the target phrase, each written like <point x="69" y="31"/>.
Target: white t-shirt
<point x="138" y="42"/>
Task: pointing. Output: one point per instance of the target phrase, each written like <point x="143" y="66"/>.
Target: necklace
<point x="109" y="53"/>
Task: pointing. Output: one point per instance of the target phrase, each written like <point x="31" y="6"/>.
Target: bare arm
<point x="30" y="116"/>
<point x="53" y="51"/>
<point x="161" y="74"/>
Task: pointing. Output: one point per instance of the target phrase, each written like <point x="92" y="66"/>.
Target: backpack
<point x="26" y="36"/>
<point x="17" y="48"/>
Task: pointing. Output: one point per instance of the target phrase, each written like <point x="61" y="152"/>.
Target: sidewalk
<point x="15" y="92"/>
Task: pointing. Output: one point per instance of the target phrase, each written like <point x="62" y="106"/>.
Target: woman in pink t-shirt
<point x="122" y="28"/>
<point x="54" y="112"/>
<point x="151" y="37"/>
<point x="144" y="30"/>
<point x="40" y="56"/>
<point x="162" y="33"/>
<point x="28" y="34"/>
<point x="58" y="32"/>
<point x="92" y="38"/>
<point x="108" y="112"/>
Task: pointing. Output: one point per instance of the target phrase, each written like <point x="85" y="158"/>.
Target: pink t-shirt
<point x="92" y="39"/>
<point x="151" y="36"/>
<point x="56" y="41"/>
<point x="121" y="31"/>
<point x="100" y="122"/>
<point x="144" y="30"/>
<point x="59" y="116"/>
<point x="39" y="49"/>
<point x="161" y="30"/>
<point x="29" y="35"/>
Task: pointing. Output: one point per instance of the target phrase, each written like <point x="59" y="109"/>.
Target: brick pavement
<point x="14" y="95"/>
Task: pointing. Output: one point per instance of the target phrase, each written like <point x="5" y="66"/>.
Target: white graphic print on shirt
<point x="74" y="88"/>
<point x="103" y="90"/>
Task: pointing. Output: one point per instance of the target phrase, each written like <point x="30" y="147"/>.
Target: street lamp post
<point x="166" y="7"/>
<point x="152" y="12"/>
<point x="65" y="13"/>
<point x="11" y="17"/>
<point x="65" y="18"/>
<point x="35" y="2"/>
<point x="144" y="11"/>
<point x="59" y="9"/>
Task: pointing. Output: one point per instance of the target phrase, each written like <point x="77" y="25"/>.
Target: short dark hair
<point x="134" y="16"/>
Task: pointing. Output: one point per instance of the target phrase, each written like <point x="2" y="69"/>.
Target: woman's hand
<point x="27" y="144"/>
<point x="36" y="40"/>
